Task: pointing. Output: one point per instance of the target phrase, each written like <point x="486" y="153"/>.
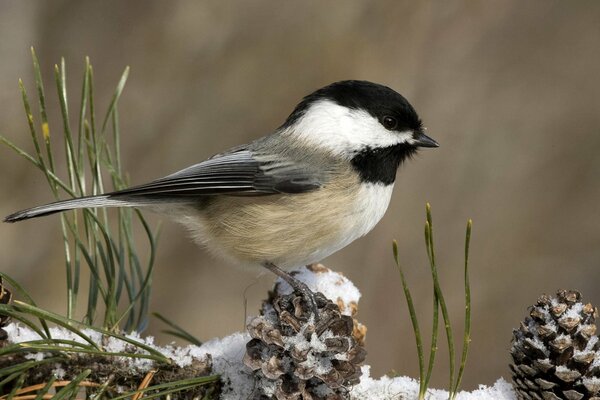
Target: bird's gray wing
<point x="239" y="172"/>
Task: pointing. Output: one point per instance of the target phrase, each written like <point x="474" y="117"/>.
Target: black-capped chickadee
<point x="321" y="180"/>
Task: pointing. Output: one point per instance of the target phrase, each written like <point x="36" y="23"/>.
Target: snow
<point x="227" y="354"/>
<point x="591" y="383"/>
<point x="538" y="344"/>
<point x="574" y="312"/>
<point x="591" y="343"/>
<point x="386" y="388"/>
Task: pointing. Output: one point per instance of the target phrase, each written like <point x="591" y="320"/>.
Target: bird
<point x="321" y="180"/>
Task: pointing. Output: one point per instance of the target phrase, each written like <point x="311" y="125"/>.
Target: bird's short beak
<point x="422" y="140"/>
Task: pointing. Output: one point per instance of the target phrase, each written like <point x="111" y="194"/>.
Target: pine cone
<point x="555" y="350"/>
<point x="297" y="357"/>
<point x="5" y="298"/>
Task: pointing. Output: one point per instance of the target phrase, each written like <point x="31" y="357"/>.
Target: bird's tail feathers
<point x="64" y="205"/>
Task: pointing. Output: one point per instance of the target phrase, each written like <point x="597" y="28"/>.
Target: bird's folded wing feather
<point x="237" y="173"/>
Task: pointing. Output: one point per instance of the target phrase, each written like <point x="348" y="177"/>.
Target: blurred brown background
<point x="510" y="89"/>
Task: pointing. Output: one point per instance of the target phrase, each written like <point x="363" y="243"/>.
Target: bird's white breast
<point x="369" y="206"/>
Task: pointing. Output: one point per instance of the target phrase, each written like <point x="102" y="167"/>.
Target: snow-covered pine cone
<point x="555" y="350"/>
<point x="5" y="297"/>
<point x="297" y="356"/>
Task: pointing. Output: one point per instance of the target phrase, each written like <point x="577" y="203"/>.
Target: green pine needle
<point x="467" y="331"/>
<point x="439" y="304"/>
<point x="177" y="331"/>
<point x="415" y="323"/>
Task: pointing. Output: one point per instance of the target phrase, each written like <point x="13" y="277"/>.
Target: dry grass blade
<point x="72" y="388"/>
<point x="145" y="383"/>
<point x="35" y="388"/>
<point x="44" y="397"/>
<point x="44" y="391"/>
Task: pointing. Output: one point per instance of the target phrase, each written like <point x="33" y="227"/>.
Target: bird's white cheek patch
<point x="343" y="130"/>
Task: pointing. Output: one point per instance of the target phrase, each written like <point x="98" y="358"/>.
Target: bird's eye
<point x="390" y="123"/>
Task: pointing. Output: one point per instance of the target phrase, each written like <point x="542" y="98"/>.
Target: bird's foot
<point x="298" y="287"/>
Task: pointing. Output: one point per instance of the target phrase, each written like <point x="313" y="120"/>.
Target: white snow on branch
<point x="226" y="354"/>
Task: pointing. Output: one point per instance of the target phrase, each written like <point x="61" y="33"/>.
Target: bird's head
<point x="370" y="124"/>
<point x="350" y="116"/>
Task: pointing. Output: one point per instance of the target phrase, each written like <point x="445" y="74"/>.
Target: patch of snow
<point x="551" y="325"/>
<point x="537" y="343"/>
<point x="402" y="387"/>
<point x="318" y="342"/>
<point x="591" y="383"/>
<point x="591" y="344"/>
<point x="59" y="373"/>
<point x="574" y="311"/>
<point x="227" y="354"/>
